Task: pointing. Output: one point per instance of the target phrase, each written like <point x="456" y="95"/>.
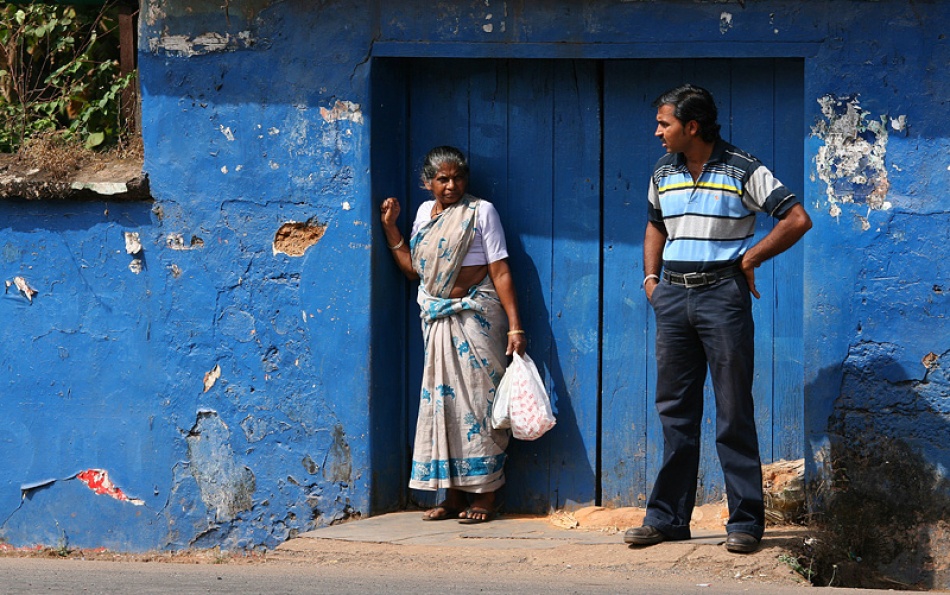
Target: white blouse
<point x="489" y="243"/>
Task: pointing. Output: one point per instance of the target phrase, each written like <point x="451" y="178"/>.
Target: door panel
<point x="531" y="130"/>
<point x="760" y="110"/>
<point x="787" y="291"/>
<point x="564" y="149"/>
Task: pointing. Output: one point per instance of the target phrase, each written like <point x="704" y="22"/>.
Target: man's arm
<point x="653" y="242"/>
<point x="789" y="229"/>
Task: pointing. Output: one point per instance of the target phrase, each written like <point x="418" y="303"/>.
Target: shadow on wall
<point x="554" y="471"/>
<point x="881" y="512"/>
<point x="559" y="460"/>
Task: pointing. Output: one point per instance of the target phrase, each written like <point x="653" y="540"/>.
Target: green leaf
<point x="95" y="139"/>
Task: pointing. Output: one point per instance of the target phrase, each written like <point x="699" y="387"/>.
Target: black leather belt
<point x="701" y="279"/>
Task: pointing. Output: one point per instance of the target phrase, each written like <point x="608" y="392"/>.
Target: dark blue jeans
<point x="699" y="328"/>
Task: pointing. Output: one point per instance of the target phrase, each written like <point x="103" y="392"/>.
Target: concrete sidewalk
<point x="530" y="547"/>
<point x="506" y="531"/>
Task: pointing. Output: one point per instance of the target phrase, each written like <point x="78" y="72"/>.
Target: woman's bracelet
<point x="399" y="245"/>
<point x="515" y="332"/>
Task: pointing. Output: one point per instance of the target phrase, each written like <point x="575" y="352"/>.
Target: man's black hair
<point x="693" y="103"/>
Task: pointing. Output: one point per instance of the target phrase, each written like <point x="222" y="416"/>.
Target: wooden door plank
<point x="753" y="115"/>
<point x="575" y="283"/>
<point x="788" y="401"/>
<point x="529" y="227"/>
<point x="439" y="115"/>
<point x="628" y="367"/>
<point x="488" y="133"/>
<point x="390" y="450"/>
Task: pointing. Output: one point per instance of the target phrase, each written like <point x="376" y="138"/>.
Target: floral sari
<point x="465" y="341"/>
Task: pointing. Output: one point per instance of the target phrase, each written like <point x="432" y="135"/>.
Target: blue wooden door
<point x="564" y="148"/>
<point x="531" y="130"/>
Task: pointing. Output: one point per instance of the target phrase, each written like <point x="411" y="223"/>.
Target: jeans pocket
<point x="656" y="294"/>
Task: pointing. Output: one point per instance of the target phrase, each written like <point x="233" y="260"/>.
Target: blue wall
<point x="261" y="116"/>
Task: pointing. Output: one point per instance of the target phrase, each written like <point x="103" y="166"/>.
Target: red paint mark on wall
<point x="98" y="481"/>
<point x="6" y="547"/>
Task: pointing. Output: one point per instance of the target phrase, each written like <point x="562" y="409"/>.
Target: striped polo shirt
<point x="710" y="223"/>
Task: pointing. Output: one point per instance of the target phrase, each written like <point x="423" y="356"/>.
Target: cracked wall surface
<point x="124" y="322"/>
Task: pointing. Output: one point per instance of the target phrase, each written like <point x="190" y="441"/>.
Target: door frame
<point x="390" y="444"/>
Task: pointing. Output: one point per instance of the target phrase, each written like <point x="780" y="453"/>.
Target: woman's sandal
<point x="485" y="514"/>
<point x="447" y="513"/>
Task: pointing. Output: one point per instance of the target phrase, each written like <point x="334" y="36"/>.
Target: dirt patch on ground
<point x="598" y="518"/>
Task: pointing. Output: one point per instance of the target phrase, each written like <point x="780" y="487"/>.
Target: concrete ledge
<point x="114" y="180"/>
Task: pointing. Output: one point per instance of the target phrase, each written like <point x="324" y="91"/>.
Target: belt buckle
<point x="700" y="280"/>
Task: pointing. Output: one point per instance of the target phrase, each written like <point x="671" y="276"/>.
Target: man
<point x="702" y="202"/>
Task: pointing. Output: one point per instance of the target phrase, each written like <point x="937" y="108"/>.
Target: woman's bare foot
<point x="452" y="507"/>
<point x="482" y="509"/>
<point x="440" y="513"/>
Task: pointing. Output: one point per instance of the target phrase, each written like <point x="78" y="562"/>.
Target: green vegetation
<point x="60" y="76"/>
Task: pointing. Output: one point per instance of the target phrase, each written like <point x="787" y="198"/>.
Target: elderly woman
<point x="470" y="326"/>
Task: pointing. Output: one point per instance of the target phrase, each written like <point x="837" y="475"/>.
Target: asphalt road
<point x="399" y="553"/>
<point x="33" y="575"/>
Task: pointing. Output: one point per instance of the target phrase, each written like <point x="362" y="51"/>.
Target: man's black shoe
<point x="645" y="535"/>
<point x="742" y="543"/>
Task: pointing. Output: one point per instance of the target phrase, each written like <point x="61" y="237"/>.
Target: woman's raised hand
<point x="389" y="211"/>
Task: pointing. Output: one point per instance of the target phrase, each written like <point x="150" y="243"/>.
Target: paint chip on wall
<point x="343" y="110"/>
<point x="930" y="360"/>
<point x="204" y="43"/>
<point x="211" y="377"/>
<point x="725" y="22"/>
<point x="293" y="239"/>
<point x="98" y="481"/>
<point x="175" y="241"/>
<point x="133" y="245"/>
<point x="23" y="287"/>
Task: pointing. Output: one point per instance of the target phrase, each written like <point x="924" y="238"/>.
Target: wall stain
<point x="226" y="486"/>
<point x="338" y="465"/>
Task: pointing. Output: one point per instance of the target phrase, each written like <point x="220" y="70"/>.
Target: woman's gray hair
<point x="439" y="156"/>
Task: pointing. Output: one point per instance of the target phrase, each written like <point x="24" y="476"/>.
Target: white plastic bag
<point x="521" y="403"/>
